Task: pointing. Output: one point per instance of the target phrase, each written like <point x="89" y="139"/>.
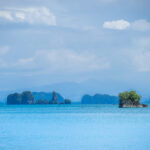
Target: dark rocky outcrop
<point x="67" y="101"/>
<point x="47" y="96"/>
<point x="99" y="99"/>
<point x="40" y="101"/>
<point x="23" y="98"/>
<point x="28" y="97"/>
<point x="14" y="99"/>
<point x="50" y="98"/>
<point x="132" y="106"/>
<point x="54" y="98"/>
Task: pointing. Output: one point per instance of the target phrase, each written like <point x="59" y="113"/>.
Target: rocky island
<point x="29" y="98"/>
<point x="130" y="100"/>
<point x="25" y="97"/>
<point x="99" y="99"/>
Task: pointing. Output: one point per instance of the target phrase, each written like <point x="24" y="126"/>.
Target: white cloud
<point x="25" y="61"/>
<point x="116" y="24"/>
<point x="58" y="61"/>
<point x="141" y="25"/>
<point x="31" y="15"/>
<point x="6" y="15"/>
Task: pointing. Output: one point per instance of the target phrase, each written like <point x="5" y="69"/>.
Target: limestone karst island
<point x="28" y="98"/>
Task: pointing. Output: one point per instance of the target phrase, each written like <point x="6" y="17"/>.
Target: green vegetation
<point x="129" y="98"/>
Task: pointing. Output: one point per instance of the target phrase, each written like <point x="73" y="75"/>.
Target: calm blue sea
<point x="74" y="127"/>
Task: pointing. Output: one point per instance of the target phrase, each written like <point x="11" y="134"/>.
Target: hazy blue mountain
<point x="75" y="90"/>
<point x="71" y="90"/>
<point x="99" y="99"/>
<point x="3" y="96"/>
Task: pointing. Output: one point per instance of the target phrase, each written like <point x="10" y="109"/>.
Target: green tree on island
<point x="129" y="98"/>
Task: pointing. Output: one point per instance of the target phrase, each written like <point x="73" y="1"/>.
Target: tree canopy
<point x="129" y="97"/>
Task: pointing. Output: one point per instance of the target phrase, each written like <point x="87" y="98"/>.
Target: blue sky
<point x="101" y="45"/>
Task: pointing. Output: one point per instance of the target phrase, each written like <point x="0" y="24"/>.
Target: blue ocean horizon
<point x="73" y="127"/>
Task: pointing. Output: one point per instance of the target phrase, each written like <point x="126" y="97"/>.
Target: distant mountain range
<point x="3" y="96"/>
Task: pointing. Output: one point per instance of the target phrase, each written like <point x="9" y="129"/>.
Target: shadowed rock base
<point x="132" y="106"/>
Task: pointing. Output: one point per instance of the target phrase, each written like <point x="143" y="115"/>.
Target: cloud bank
<point x="62" y="61"/>
<point x="30" y="15"/>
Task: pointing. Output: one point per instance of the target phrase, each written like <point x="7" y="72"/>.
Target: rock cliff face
<point x="67" y="101"/>
<point x="54" y="98"/>
<point x="23" y="98"/>
<point x="44" y="96"/>
<point x="132" y="106"/>
<point x="40" y="101"/>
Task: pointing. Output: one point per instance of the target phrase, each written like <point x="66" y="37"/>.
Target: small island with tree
<point x="130" y="100"/>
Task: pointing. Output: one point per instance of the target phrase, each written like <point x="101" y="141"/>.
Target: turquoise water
<point x="74" y="127"/>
